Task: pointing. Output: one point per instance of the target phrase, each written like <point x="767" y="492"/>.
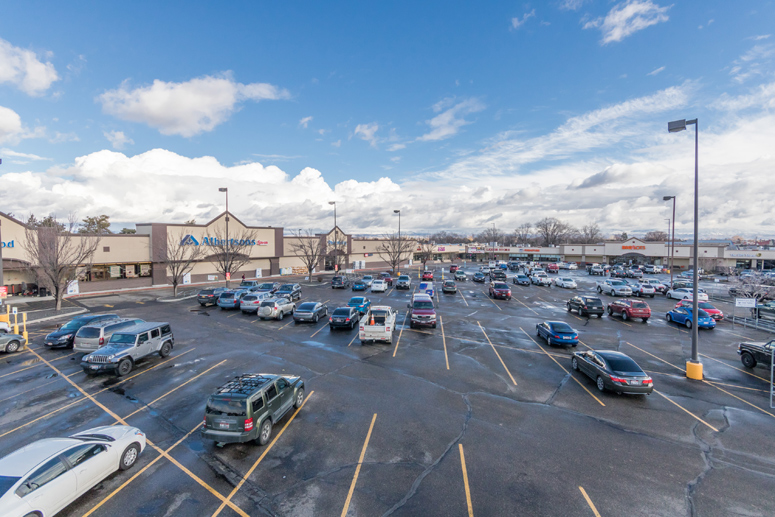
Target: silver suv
<point x="91" y="337"/>
<point x="276" y="308"/>
<point x="128" y="346"/>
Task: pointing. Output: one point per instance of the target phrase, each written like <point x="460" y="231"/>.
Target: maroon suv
<point x="630" y="309"/>
<point x="387" y="278"/>
<point x="500" y="290"/>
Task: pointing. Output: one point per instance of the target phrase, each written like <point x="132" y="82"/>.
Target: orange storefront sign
<point x="633" y="247"/>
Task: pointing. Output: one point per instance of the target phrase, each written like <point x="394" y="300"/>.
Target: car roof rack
<point x="245" y="384"/>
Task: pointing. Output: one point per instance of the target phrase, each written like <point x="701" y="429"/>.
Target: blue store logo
<point x="8" y="244"/>
<point x="189" y="239"/>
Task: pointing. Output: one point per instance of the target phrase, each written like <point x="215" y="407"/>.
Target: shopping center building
<point x="141" y="260"/>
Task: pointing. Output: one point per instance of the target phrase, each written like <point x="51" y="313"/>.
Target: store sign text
<point x="740" y="255"/>
<point x="189" y="240"/>
<point x="633" y="247"/>
<point x="7" y="244"/>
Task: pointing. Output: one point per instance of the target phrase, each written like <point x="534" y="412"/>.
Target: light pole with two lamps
<point x="693" y="366"/>
<point x="672" y="239"/>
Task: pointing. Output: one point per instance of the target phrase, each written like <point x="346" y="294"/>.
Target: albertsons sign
<point x="189" y="240"/>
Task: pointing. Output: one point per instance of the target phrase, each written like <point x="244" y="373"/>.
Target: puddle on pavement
<point x="118" y="391"/>
<point x="52" y="375"/>
<point x="29" y="362"/>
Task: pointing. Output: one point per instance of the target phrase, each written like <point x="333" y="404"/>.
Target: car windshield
<point x="521" y="277"/>
<point x="356" y="300"/>
<point x="500" y="285"/>
<point x="702" y="314"/>
<point x="367" y="277"/>
<point x="561" y="327"/>
<point x="639" y="305"/>
<point x="705" y="305"/>
<point x="286" y="287"/>
<point x="479" y="274"/>
<point x="74" y="324"/>
<point x="122" y="339"/>
<point x="423" y="304"/>
<point x="226" y="407"/>
<point x="245" y="283"/>
<point x="6" y="482"/>
<point x="618" y="282"/>
<point x="449" y="283"/>
<point x="265" y="286"/>
<point x="88" y="332"/>
<point x="267" y="304"/>
<point x="249" y="298"/>
<point x="623" y="364"/>
<point x="403" y="277"/>
<point x="206" y="292"/>
<point x="342" y="312"/>
<point x="306" y="307"/>
<point x="227" y="296"/>
<point x="596" y="302"/>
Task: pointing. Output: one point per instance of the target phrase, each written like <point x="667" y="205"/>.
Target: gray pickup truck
<point x="128" y="346"/>
<point x="753" y="353"/>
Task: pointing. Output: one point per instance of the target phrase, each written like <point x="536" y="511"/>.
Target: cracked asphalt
<point x="539" y="439"/>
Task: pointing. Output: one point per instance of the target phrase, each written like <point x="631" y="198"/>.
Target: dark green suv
<point x="246" y="408"/>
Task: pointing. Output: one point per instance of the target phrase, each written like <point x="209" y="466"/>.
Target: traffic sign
<point x="14" y="310"/>
<point x="745" y="302"/>
<point x="3" y="292"/>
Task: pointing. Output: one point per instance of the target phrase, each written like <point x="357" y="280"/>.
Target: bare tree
<point x="553" y="231"/>
<point x="590" y="234"/>
<point x="655" y="236"/>
<point x="394" y="249"/>
<point x="309" y="248"/>
<point x="523" y="233"/>
<point x="752" y="285"/>
<point x="426" y="250"/>
<point x="180" y="256"/>
<point x="232" y="253"/>
<point x="55" y="252"/>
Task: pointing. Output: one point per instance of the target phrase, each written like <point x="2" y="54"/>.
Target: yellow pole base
<point x="694" y="370"/>
<point x="26" y="339"/>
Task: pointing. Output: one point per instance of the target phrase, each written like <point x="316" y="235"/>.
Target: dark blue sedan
<point x="359" y="285"/>
<point x="557" y="333"/>
<point x="683" y="316"/>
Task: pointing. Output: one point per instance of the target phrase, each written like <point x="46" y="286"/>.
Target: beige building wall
<point x="122" y="249"/>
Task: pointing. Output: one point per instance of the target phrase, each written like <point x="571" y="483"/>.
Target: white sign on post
<point x="72" y="287"/>
<point x="258" y="273"/>
<point x="187" y="279"/>
<point x="14" y="310"/>
<point x="745" y="302"/>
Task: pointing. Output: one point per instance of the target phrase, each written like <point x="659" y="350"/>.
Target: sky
<point x="460" y="114"/>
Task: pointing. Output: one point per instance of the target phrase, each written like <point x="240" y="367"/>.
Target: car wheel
<point x="299" y="398"/>
<point x="331" y="328"/>
<point x="668" y="317"/>
<point x="610" y="311"/>
<point x="599" y="290"/>
<point x="652" y="296"/>
<point x="748" y="360"/>
<point x="645" y="320"/>
<point x="166" y="349"/>
<point x="688" y="324"/>
<point x="129" y="457"/>
<point x="568" y="307"/>
<point x="124" y="367"/>
<point x="575" y="364"/>
<point x="599" y="316"/>
<point x="12" y="347"/>
<point x="281" y="315"/>
<point x="624" y="316"/>
<point x="315" y="320"/>
<point x="600" y="384"/>
<point x="266" y="432"/>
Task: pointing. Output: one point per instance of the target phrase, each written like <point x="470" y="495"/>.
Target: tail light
<point x="348" y="319"/>
<point x="102" y="341"/>
<point x="387" y="328"/>
<point x="361" y="328"/>
<point x="617" y="379"/>
<point x="248" y="424"/>
<point x="204" y="421"/>
<point x="648" y="381"/>
<point x="330" y="319"/>
<point x="556" y="336"/>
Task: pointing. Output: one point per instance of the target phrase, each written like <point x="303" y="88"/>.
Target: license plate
<point x="94" y="366"/>
<point x="223" y="425"/>
<point x="339" y="320"/>
<point x="48" y="343"/>
<point x="635" y="382"/>
<point x="566" y="337"/>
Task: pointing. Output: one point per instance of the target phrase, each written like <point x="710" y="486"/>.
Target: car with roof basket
<point x="247" y="407"/>
<point x="127" y="347"/>
<point x="613" y="371"/>
<point x="44" y="477"/>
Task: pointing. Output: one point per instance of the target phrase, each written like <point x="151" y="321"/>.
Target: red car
<point x="387" y="278"/>
<point x="553" y="268"/>
<point x="710" y="309"/>
<point x="500" y="290"/>
<point x="453" y="268"/>
<point x="427" y="275"/>
<point x="630" y="309"/>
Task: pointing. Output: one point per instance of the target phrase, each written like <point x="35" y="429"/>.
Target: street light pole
<point x="694" y="366"/>
<point x="336" y="240"/>
<point x="672" y="240"/>
<point x="228" y="257"/>
<point x="400" y="244"/>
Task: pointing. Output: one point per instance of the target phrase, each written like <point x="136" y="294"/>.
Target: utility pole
<point x="228" y="256"/>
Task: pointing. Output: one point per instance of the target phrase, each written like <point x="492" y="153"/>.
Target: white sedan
<point x="42" y="478"/>
<point x="378" y="286"/>
<point x="567" y="283"/>
<point x="684" y="293"/>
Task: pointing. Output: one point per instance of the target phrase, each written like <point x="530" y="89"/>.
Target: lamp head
<point x="667" y="198"/>
<point x="223" y="189"/>
<point x="396" y="211"/>
<point x="676" y="126"/>
<point x="332" y="202"/>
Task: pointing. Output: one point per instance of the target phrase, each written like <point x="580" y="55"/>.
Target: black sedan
<point x="479" y="277"/>
<point x="310" y="311"/>
<point x="206" y="297"/>
<point x="521" y="279"/>
<point x="613" y="371"/>
<point x="344" y="317"/>
<point x="290" y="291"/>
<point x="586" y="305"/>
<point x="266" y="287"/>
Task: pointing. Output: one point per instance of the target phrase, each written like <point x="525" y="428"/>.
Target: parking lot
<point x="475" y="417"/>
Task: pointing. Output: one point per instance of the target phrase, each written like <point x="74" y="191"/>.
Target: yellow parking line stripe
<point x="358" y="468"/>
<point x="125" y="483"/>
<point x="34" y="365"/>
<point x="589" y="502"/>
<point x="463" y="296"/>
<point x="526" y="306"/>
<point x="465" y="481"/>
<point x="491" y="300"/>
<point x="740" y="387"/>
<point x="655" y="357"/>
<point x="736" y="368"/>
<point x="157" y="399"/>
<point x="286" y="324"/>
<point x="444" y="341"/>
<point x="390" y="291"/>
<point x="321" y="328"/>
<point x="227" y="500"/>
<point x="684" y="409"/>
<point x="232" y="315"/>
<point x="740" y="335"/>
<point x="149" y="442"/>
<point x="82" y="399"/>
<point x="586" y="345"/>
<point x="355" y="336"/>
<point x="738" y="398"/>
<point x="563" y="368"/>
<point x="496" y="353"/>
<point x="400" y="333"/>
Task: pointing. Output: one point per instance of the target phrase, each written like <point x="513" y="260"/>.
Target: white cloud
<point x="64" y="137"/>
<point x="763" y="96"/>
<point x="367" y="132"/>
<point x="516" y="22"/>
<point x="305" y="122"/>
<point x="656" y="71"/>
<point x="397" y="147"/>
<point x="118" y="139"/>
<point x="187" y="108"/>
<point x="338" y="143"/>
<point x="448" y="122"/>
<point x="12" y="131"/>
<point x="15" y="154"/>
<point x="754" y="62"/>
<point x="628" y="18"/>
<point x="23" y="69"/>
<point x="571" y="5"/>
<point x="760" y="37"/>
